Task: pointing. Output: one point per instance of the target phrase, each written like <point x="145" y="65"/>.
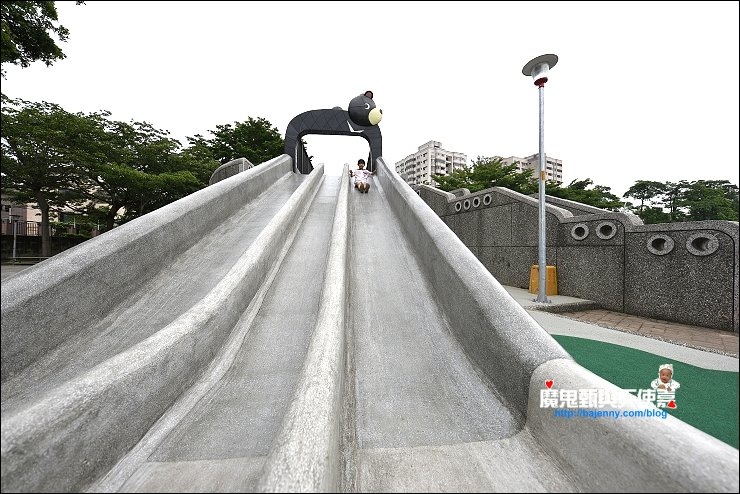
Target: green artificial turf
<point x="707" y="399"/>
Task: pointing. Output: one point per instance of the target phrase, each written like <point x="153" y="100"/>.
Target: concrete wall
<point x="682" y="272"/>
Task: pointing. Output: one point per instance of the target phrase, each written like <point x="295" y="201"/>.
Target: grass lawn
<point x="707" y="399"/>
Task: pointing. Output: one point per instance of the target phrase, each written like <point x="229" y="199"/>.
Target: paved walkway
<point x="693" y="336"/>
<point x="624" y="329"/>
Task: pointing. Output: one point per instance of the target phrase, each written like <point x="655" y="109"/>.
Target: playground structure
<point x="286" y="349"/>
<point x="682" y="272"/>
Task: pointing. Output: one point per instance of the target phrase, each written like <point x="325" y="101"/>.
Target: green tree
<point x="645" y="190"/>
<point x="653" y="215"/>
<point x="708" y="200"/>
<point x="578" y="190"/>
<point x="492" y="172"/>
<point x="41" y="143"/>
<point x="138" y="169"/>
<point x="458" y="179"/>
<point x="255" y="139"/>
<point x="485" y="173"/>
<point x="672" y="200"/>
<point x="26" y="33"/>
<point x="96" y="167"/>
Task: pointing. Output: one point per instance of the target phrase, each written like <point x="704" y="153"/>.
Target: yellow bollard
<point x="551" y="280"/>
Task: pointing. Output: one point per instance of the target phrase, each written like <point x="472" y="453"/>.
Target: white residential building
<point x="554" y="166"/>
<point x="429" y="160"/>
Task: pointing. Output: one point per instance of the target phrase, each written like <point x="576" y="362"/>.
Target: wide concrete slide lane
<point x="306" y="455"/>
<point x="171" y="290"/>
<point x="449" y="369"/>
<point x="69" y="435"/>
<point x="217" y="436"/>
<point x="50" y="303"/>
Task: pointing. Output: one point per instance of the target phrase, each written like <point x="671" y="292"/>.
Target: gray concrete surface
<point x="682" y="272"/>
<point x="355" y="344"/>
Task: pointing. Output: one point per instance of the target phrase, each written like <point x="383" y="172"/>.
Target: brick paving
<point x="713" y="340"/>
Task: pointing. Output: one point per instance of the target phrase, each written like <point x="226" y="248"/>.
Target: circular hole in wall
<point x="466" y="204"/>
<point x="702" y="244"/>
<point x="458" y="206"/>
<point x="487" y="199"/>
<point x="579" y="231"/>
<point x="476" y="202"/>
<point x="606" y="230"/>
<point x="660" y="244"/>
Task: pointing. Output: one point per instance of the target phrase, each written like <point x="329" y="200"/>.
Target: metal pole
<point x="538" y="69"/>
<point x="542" y="292"/>
<point x="15" y="226"/>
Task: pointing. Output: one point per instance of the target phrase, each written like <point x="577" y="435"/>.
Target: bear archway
<point x="361" y="120"/>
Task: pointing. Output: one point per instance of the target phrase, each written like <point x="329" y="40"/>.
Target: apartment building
<point x="429" y="160"/>
<point x="554" y="166"/>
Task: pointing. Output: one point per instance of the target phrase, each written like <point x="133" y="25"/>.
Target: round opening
<point x="579" y="231"/>
<point x="606" y="230"/>
<point x="660" y="244"/>
<point x="702" y="244"/>
<point x="458" y="206"/>
<point x="487" y="199"/>
<point x="466" y="204"/>
<point x="476" y="202"/>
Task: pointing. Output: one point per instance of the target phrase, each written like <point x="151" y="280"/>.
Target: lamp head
<point x="539" y="67"/>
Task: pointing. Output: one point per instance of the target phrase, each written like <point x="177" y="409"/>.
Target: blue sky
<point x="642" y="90"/>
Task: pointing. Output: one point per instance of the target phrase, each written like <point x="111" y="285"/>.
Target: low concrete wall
<point x="627" y="453"/>
<point x="91" y="421"/>
<point x="681" y="272"/>
<point x="37" y="313"/>
<point x="496" y="332"/>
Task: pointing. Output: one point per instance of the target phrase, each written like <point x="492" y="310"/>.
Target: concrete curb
<point x="626" y="454"/>
<point x="305" y="456"/>
<point x="36" y="315"/>
<point x="78" y="431"/>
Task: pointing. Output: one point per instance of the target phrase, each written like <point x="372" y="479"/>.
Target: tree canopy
<point x="90" y="164"/>
<point x="660" y="202"/>
<point x="598" y="196"/>
<point x="26" y="33"/>
<point x="255" y="139"/>
<point x="485" y="173"/>
<point x="493" y="172"/>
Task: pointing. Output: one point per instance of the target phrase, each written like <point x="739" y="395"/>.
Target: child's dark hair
<point x="360" y="161"/>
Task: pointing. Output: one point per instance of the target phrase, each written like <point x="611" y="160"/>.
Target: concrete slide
<point x="280" y="332"/>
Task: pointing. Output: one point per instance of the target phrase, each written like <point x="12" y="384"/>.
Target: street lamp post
<point x="538" y="69"/>
<point x="14" y="220"/>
